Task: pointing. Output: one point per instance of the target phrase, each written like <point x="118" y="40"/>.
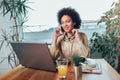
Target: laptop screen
<point x="34" y="55"/>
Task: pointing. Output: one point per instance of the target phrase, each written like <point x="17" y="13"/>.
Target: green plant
<point x="108" y="43"/>
<point x="18" y="10"/>
<point x="77" y="60"/>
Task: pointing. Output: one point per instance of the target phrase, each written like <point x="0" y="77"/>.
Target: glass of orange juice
<point x="62" y="66"/>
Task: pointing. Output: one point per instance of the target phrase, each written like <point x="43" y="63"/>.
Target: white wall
<point x="45" y="11"/>
<point x="5" y="24"/>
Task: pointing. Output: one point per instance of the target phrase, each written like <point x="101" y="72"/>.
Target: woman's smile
<point x="66" y="28"/>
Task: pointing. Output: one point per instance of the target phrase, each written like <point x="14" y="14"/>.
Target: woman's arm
<point x="84" y="40"/>
<point x="55" y="47"/>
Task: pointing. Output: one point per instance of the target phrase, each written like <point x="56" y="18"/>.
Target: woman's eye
<point x="62" y="22"/>
<point x="68" y="21"/>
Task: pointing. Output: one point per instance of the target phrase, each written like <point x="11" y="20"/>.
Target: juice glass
<point x="62" y="66"/>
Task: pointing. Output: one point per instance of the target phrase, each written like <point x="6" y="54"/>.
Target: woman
<point x="67" y="40"/>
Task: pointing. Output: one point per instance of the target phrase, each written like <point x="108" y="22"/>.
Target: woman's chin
<point x="67" y="31"/>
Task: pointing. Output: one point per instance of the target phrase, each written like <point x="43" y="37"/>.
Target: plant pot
<point x="78" y="72"/>
<point x="118" y="66"/>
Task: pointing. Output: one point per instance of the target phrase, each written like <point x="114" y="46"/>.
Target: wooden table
<point x="22" y="73"/>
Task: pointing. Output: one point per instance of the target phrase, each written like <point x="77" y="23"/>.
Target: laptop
<point x="34" y="55"/>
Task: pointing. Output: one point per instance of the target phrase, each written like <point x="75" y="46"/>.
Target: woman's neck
<point x="70" y="34"/>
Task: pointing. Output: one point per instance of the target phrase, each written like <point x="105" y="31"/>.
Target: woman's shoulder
<point x="82" y="34"/>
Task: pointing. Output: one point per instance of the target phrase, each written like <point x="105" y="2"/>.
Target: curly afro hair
<point x="72" y="13"/>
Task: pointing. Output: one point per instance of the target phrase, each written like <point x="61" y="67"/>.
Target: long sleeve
<point x="55" y="47"/>
<point x="82" y="49"/>
<point x="54" y="50"/>
<point x="83" y="44"/>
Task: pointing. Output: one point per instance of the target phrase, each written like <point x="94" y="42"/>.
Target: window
<point x="44" y="14"/>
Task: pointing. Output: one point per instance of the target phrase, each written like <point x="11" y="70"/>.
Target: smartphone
<point x="62" y="30"/>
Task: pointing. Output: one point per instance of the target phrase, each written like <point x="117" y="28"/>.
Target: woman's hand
<point x="58" y="33"/>
<point x="76" y="33"/>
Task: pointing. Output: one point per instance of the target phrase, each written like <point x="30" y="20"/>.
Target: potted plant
<point x="77" y="65"/>
<point x="108" y="43"/>
<point x="18" y="10"/>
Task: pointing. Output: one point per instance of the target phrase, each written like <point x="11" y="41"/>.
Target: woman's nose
<point x="65" y="24"/>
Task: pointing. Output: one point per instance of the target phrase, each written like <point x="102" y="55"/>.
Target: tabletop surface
<point x="22" y="73"/>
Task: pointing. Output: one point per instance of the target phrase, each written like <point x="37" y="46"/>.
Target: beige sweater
<point x="68" y="48"/>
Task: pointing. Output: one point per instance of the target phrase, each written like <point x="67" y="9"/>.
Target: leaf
<point x="76" y="60"/>
<point x="1" y="44"/>
<point x="2" y="60"/>
<point x="15" y="8"/>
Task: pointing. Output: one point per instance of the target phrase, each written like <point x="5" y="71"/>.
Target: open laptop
<point x="34" y="55"/>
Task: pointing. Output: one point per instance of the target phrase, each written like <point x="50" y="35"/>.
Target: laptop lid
<point x="34" y="55"/>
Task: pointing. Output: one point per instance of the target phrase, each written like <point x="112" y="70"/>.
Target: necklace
<point x="69" y="39"/>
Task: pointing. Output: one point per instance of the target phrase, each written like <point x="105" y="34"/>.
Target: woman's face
<point x="67" y="23"/>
